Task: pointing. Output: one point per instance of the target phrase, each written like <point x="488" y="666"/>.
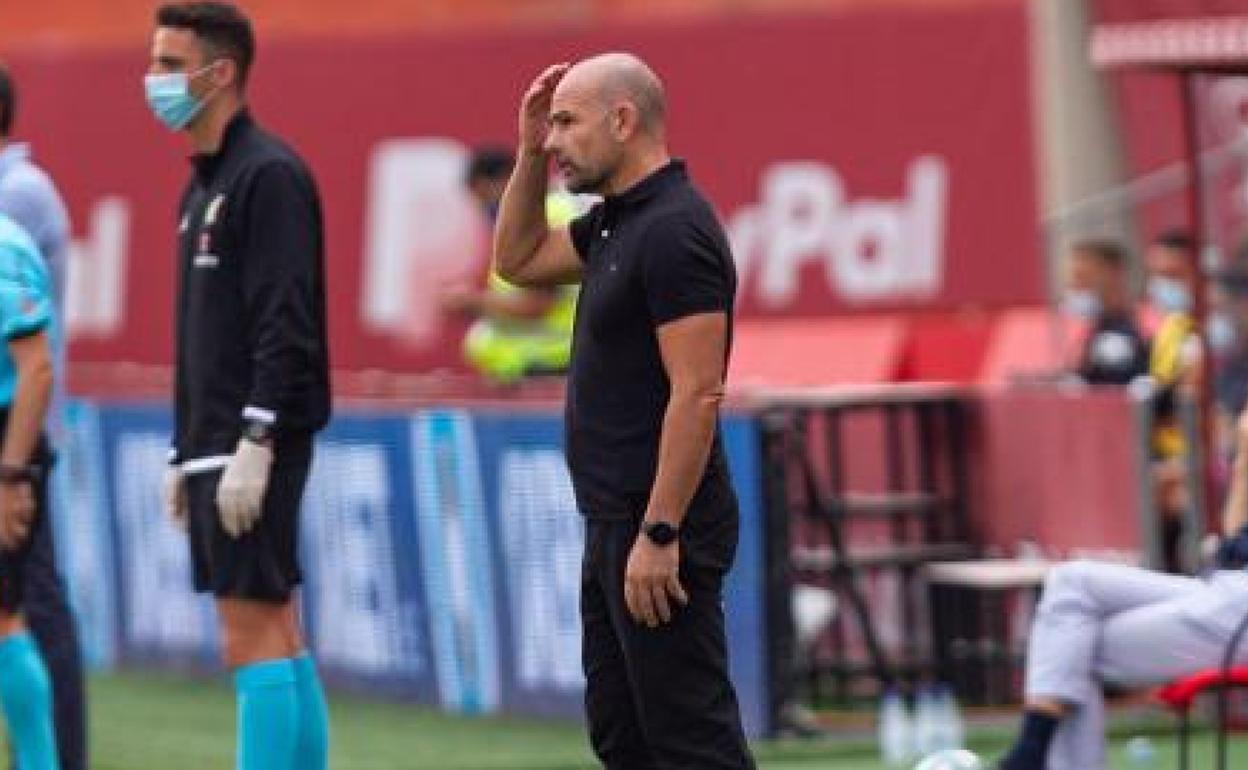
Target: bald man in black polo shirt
<point x="650" y="349"/>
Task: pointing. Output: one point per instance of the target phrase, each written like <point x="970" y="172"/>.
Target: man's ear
<point x="224" y="73"/>
<point x="624" y="121"/>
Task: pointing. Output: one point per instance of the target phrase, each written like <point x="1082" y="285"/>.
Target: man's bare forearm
<point x="1235" y="510"/>
<point x="521" y="226"/>
<point x="684" y="445"/>
<point x="27" y="414"/>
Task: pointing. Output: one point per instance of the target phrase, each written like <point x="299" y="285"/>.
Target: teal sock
<point x="312" y="736"/>
<point x="26" y="697"/>
<point x="267" y="712"/>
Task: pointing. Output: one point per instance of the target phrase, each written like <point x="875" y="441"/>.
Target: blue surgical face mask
<point x="1220" y="331"/>
<point x="1169" y="294"/>
<point x="1082" y="303"/>
<point x="170" y="99"/>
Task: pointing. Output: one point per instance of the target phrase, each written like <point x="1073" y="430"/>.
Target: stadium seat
<point x="817" y="351"/>
<point x="1027" y="341"/>
<point x="1181" y="693"/>
<point x="947" y="347"/>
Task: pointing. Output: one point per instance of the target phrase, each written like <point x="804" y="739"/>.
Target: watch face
<point x="661" y="533"/>
<point x="258" y="432"/>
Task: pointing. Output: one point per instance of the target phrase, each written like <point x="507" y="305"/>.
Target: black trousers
<point x="46" y="610"/>
<point x="660" y="699"/>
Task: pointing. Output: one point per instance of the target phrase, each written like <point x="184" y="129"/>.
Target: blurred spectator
<point x="1174" y="361"/>
<point x="1175" y="369"/>
<point x="517" y="332"/>
<point x="1227" y="335"/>
<point x="1114" y="352"/>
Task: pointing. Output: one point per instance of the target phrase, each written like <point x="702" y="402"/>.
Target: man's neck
<point x="207" y="131"/>
<point x="637" y="168"/>
<point x="1116" y="307"/>
<point x="4" y="143"/>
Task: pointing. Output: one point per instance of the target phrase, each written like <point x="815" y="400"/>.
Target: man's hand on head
<point x="535" y="108"/>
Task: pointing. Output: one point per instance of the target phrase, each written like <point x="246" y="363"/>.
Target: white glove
<point x="240" y="493"/>
<point x="174" y="495"/>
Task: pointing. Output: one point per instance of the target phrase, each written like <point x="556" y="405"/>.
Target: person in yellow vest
<point x="517" y="332"/>
<point x="1175" y="368"/>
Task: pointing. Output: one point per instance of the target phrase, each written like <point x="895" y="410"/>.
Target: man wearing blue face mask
<point x="1114" y="352"/>
<point x="1175" y="368"/>
<point x="251" y="375"/>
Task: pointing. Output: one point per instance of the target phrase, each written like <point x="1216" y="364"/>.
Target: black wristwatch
<point x="259" y="432"/>
<point x="17" y="474"/>
<point x="660" y="532"/>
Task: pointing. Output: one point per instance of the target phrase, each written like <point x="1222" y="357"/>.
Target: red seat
<point x="1180" y="693"/>
<point x="799" y="352"/>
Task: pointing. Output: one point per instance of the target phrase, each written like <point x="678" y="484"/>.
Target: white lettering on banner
<point x="456" y="563"/>
<point x="543" y="536"/>
<point x="163" y="612"/>
<point x="422" y="231"/>
<point x="871" y="250"/>
<point x="359" y="618"/>
<point x="84" y="540"/>
<point x="95" y="291"/>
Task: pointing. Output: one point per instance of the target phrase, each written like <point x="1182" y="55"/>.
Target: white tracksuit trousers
<point x="1100" y="622"/>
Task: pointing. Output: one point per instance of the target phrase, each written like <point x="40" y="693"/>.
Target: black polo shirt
<point x="652" y="255"/>
<point x="1114" y="353"/>
<point x="251" y="327"/>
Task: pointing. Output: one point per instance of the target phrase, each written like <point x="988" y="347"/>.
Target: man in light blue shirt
<point x="29" y="198"/>
<point x="27" y="325"/>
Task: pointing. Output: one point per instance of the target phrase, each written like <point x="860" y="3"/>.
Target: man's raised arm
<point x="527" y="252"/>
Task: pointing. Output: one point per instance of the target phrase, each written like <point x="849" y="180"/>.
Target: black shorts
<point x="13" y="563"/>
<point x="263" y="564"/>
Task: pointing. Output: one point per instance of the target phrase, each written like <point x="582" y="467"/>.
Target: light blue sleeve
<point x="25" y="302"/>
<point x="28" y="197"/>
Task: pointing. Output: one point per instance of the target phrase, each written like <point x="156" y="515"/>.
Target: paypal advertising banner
<point x="160" y="617"/>
<point x="83" y="533"/>
<point x="441" y="554"/>
<point x="365" y="608"/>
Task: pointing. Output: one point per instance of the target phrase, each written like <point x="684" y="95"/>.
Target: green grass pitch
<point x="158" y="722"/>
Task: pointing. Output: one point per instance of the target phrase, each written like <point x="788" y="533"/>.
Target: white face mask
<point x="1082" y="303"/>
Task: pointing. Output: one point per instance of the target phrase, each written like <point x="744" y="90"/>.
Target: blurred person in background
<point x="29" y="197"/>
<point x="516" y="332"/>
<point x="652" y="338"/>
<point x="1227" y="335"/>
<point x="1175" y="361"/>
<point x="27" y="324"/>
<point x="252" y="374"/>
<point x="1101" y="623"/>
<point x="1097" y="292"/>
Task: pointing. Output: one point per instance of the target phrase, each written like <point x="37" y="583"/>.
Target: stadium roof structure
<point x="1197" y="44"/>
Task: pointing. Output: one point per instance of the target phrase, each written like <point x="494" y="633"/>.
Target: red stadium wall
<point x="92" y="22"/>
<point x="1060" y="469"/>
<point x="879" y="160"/>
